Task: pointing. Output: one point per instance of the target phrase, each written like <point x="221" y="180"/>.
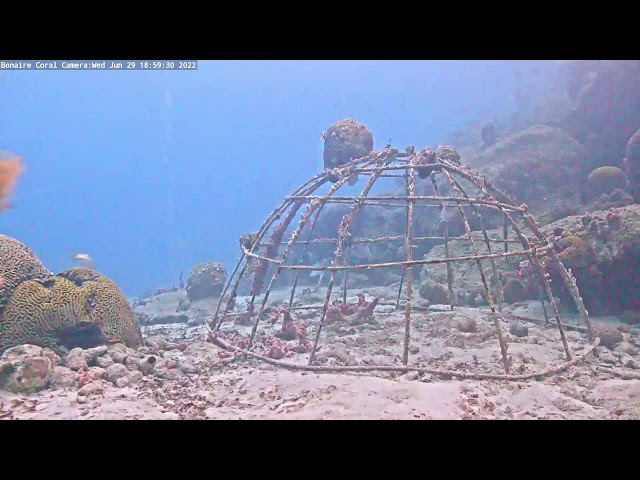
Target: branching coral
<point x="365" y="309"/>
<point x="273" y="246"/>
<point x="86" y="376"/>
<point x="343" y="237"/>
<point x="245" y="317"/>
<point x="267" y="345"/>
<point x="291" y="329"/>
<point x="357" y="314"/>
<point x="526" y="278"/>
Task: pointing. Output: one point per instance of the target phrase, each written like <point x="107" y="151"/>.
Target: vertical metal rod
<point x="409" y="269"/>
<point x="505" y="233"/>
<point x="406" y="178"/>
<point x="489" y="190"/>
<point x="497" y="284"/>
<point x="547" y="287"/>
<point x="339" y="255"/>
<point x="311" y="207"/>
<point x="496" y="320"/>
<point x="445" y="227"/>
<point x="452" y="295"/>
<point x="314" y="349"/>
<point x="304" y="252"/>
<point x="305" y="189"/>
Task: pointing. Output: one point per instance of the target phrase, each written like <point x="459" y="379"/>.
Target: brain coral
<point x="17" y="264"/>
<point x="345" y="140"/>
<point x="605" y="179"/>
<point x="38" y="309"/>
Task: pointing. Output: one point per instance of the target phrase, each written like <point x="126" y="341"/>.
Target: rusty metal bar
<point x="409" y="269"/>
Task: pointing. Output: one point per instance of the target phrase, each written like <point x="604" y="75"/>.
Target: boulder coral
<point x="632" y="164"/>
<point x="345" y="140"/>
<point x="206" y="280"/>
<point x="604" y="180"/>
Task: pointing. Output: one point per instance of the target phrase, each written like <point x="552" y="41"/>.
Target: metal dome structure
<point x="285" y="239"/>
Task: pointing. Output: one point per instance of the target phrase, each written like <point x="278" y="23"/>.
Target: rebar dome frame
<point x="387" y="163"/>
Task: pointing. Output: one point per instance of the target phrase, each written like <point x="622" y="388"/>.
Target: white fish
<point x="445" y="215"/>
<point x="84" y="259"/>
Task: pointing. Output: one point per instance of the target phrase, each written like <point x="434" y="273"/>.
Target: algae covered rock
<point x="449" y="153"/>
<point x="541" y="166"/>
<point x="514" y="291"/>
<point x="602" y="249"/>
<point x="607" y="106"/>
<point x="434" y="292"/>
<point x="206" y="280"/>
<point x="26" y="369"/>
<point x="466" y="281"/>
<point x="345" y="140"/>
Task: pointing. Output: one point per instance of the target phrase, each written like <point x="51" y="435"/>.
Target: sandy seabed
<point x="192" y="380"/>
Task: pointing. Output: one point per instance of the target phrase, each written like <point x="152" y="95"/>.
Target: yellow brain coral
<point x="110" y="310"/>
<point x="17" y="264"/>
<point x="606" y="179"/>
<point x="38" y="309"/>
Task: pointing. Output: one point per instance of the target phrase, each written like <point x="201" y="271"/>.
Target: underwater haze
<point x="153" y="172"/>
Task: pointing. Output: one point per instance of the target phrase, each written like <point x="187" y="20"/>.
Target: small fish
<point x="84" y="259"/>
<point x="353" y="179"/>
<point x="445" y="215"/>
